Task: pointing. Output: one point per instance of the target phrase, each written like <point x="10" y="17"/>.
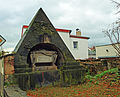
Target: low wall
<point x="96" y="65"/>
<point x="34" y="80"/>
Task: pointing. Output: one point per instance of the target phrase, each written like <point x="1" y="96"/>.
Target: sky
<point x="90" y="16"/>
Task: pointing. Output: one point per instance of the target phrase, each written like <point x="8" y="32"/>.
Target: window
<point x="107" y="50"/>
<point x="75" y="44"/>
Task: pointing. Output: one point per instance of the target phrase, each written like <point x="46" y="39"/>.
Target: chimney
<point x="78" y="32"/>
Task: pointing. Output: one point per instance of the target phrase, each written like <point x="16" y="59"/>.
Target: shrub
<point x="89" y="77"/>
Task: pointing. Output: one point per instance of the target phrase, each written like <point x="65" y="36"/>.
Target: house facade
<point x="77" y="44"/>
<point x="106" y="51"/>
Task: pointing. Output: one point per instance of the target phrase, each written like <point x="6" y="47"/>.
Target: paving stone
<point x="15" y="91"/>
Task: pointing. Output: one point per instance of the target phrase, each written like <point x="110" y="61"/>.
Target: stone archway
<point x="45" y="56"/>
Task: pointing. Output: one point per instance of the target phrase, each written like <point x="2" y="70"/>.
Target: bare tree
<point x="117" y="5"/>
<point x="113" y="33"/>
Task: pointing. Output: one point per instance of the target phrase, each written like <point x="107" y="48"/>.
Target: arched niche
<point x="45" y="56"/>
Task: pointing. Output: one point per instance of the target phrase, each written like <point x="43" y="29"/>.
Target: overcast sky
<point x="90" y="16"/>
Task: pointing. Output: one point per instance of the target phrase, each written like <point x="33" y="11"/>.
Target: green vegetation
<point x="89" y="77"/>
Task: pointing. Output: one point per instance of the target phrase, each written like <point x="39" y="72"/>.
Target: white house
<point x="77" y="44"/>
<point x="106" y="51"/>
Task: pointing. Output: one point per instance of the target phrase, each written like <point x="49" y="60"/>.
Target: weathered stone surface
<point x="14" y="91"/>
<point x="40" y="35"/>
<point x="37" y="79"/>
<point x="40" y="28"/>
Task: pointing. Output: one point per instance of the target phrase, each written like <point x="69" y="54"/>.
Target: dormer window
<point x="75" y="44"/>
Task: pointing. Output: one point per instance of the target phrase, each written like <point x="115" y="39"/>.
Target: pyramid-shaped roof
<point x="39" y="26"/>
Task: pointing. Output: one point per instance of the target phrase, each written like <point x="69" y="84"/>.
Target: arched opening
<point x="45" y="56"/>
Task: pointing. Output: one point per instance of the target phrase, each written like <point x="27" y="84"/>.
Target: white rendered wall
<point x="82" y="51"/>
<point x="78" y="53"/>
<point x="101" y="51"/>
<point x="66" y="38"/>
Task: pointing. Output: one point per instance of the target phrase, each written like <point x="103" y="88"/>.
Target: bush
<point x="89" y="77"/>
<point x="114" y="70"/>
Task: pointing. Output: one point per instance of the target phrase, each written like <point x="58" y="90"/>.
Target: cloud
<point x="91" y="16"/>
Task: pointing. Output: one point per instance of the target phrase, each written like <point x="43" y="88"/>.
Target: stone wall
<point x="34" y="80"/>
<point x="96" y="65"/>
<point x="8" y="65"/>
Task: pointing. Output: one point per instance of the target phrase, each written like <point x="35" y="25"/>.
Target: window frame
<point x="75" y="44"/>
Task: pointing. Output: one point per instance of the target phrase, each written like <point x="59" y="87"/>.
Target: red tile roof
<point x="63" y="30"/>
<point x="74" y="36"/>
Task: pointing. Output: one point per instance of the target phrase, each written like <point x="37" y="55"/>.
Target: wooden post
<point x="2" y="77"/>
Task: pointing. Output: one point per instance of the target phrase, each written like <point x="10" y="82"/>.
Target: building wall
<point x="82" y="51"/>
<point x="105" y="51"/>
<point x="9" y="64"/>
<point x="79" y="53"/>
<point x="65" y="38"/>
